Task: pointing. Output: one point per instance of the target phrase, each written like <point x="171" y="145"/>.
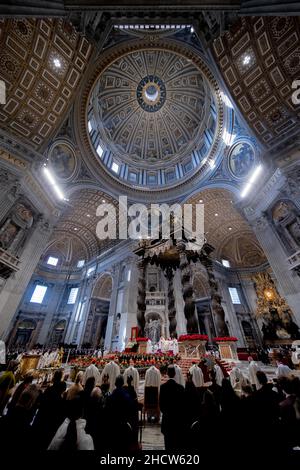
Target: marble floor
<point x="152" y="438"/>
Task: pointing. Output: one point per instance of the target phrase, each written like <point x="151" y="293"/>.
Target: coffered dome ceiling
<point x="152" y="106"/>
<point x="154" y="115"/>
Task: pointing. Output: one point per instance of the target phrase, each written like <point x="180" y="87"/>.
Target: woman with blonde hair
<point x="76" y="388"/>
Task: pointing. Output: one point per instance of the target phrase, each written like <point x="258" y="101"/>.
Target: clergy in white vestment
<point x="197" y="375"/>
<point x="151" y="394"/>
<point x="253" y="368"/>
<point x="112" y="370"/>
<point x="179" y="375"/>
<point x="237" y="378"/>
<point x="219" y="374"/>
<point x="152" y="377"/>
<point x="283" y="370"/>
<point x="92" y="371"/>
<point x="2" y="352"/>
<point x="131" y="371"/>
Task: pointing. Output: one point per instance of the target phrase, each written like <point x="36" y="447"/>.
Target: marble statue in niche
<point x="241" y="159"/>
<point x="153" y="330"/>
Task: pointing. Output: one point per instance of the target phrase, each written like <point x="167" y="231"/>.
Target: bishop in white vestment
<point x="92" y="371"/>
<point x="112" y="370"/>
<point x="131" y="371"/>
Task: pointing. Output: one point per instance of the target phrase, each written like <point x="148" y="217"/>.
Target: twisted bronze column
<point x="187" y="290"/>
<point x="141" y="300"/>
<point x="216" y="306"/>
<point x="171" y="303"/>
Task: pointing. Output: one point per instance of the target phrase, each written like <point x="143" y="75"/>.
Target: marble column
<point x="192" y="325"/>
<point x="13" y="290"/>
<point x="288" y="282"/>
<point x="179" y="304"/>
<point x="112" y="309"/>
<point x="216" y="299"/>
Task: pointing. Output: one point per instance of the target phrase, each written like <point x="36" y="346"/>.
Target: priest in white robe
<point x="112" y="370"/>
<point x="218" y="374"/>
<point x="179" y="375"/>
<point x="131" y="371"/>
<point x="92" y="371"/>
<point x="252" y="369"/>
<point x="197" y="376"/>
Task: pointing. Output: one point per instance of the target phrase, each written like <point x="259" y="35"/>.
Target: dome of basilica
<point x="153" y="117"/>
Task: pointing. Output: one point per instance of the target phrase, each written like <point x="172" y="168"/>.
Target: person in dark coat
<point x="51" y="411"/>
<point x="120" y="413"/>
<point x="171" y="402"/>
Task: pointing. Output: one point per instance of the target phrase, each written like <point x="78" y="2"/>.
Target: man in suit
<point x="171" y="402"/>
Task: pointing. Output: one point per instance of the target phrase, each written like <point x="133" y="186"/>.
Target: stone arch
<point x="103" y="287"/>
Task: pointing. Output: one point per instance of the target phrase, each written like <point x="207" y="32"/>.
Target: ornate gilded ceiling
<point x="41" y="63"/>
<point x="227" y="231"/>
<point x="259" y="58"/>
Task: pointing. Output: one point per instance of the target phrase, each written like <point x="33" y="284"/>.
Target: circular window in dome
<point x="151" y="93"/>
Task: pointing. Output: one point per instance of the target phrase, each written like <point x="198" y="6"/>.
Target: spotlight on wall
<point x="53" y="184"/>
<point x="251" y="181"/>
